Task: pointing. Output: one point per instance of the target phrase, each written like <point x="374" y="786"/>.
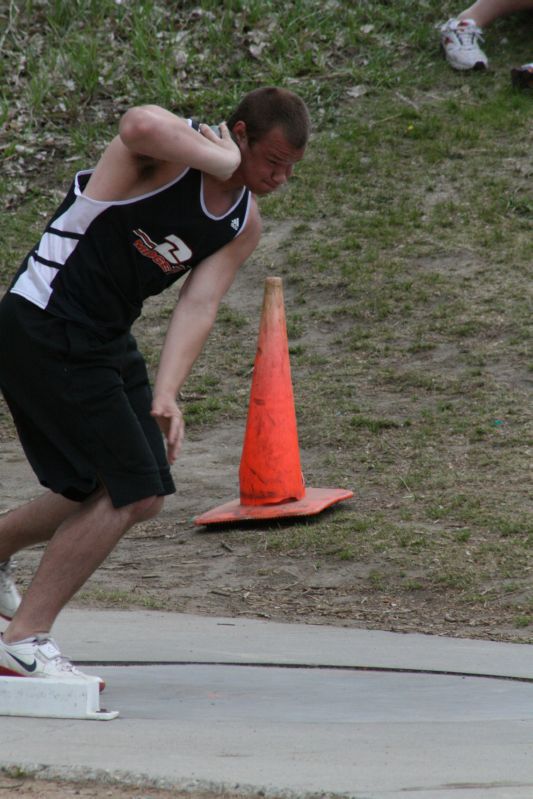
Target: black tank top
<point x="98" y="261"/>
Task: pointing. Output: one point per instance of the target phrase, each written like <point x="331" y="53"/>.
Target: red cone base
<point x="314" y="501"/>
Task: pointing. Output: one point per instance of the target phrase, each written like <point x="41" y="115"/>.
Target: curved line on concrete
<point x="318" y="667"/>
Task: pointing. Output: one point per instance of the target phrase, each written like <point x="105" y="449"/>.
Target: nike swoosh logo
<point x="28" y="666"/>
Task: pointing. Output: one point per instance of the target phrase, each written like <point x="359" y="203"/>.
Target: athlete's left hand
<point x="170" y="420"/>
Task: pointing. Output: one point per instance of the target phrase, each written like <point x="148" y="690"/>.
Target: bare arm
<point x="153" y="146"/>
<point x="158" y="134"/>
<point x="191" y="323"/>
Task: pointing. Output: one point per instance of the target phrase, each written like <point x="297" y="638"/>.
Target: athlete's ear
<point x="239" y="132"/>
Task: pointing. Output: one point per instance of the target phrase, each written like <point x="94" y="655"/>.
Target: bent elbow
<point x="136" y="126"/>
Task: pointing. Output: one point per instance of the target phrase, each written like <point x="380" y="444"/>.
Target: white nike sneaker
<point x="460" y="41"/>
<point x="9" y="596"/>
<point x="40" y="657"/>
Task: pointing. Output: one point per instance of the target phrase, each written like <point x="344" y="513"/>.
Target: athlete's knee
<point x="145" y="509"/>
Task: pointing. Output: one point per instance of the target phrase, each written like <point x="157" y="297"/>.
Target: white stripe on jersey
<point x="34" y="283"/>
<point x="56" y="248"/>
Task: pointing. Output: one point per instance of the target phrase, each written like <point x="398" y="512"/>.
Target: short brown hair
<point x="270" y="107"/>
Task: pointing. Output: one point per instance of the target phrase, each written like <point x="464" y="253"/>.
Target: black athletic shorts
<point x="81" y="406"/>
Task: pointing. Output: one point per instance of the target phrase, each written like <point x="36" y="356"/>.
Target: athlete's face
<point x="268" y="163"/>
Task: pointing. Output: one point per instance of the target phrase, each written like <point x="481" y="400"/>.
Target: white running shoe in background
<point x="460" y="41"/>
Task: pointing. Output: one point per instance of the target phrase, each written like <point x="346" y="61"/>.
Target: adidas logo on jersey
<point x="235" y="223"/>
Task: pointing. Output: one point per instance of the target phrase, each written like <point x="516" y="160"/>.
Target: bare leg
<point x="80" y="544"/>
<point x="32" y="523"/>
<point x="483" y="12"/>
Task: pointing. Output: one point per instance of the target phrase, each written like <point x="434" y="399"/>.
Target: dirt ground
<point x="172" y="564"/>
<point x="26" y="787"/>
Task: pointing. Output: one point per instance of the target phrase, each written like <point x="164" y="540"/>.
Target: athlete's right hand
<point x="229" y="150"/>
<point x="170" y="420"/>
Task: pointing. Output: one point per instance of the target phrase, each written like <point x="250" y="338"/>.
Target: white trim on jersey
<point x="78" y="190"/>
<point x="246" y="214"/>
<point x="34" y="284"/>
<point x="208" y="213"/>
<point x="56" y="248"/>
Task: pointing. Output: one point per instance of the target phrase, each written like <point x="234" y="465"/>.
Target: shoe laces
<point x="468" y="34"/>
<point x="50" y="650"/>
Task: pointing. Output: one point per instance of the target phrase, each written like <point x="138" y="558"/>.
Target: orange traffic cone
<point x="270" y="470"/>
<point x="270" y="474"/>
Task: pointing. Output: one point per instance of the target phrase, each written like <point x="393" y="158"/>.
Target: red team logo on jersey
<point x="169" y="256"/>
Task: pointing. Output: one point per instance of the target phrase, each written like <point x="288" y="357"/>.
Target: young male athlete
<point x="168" y="196"/>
